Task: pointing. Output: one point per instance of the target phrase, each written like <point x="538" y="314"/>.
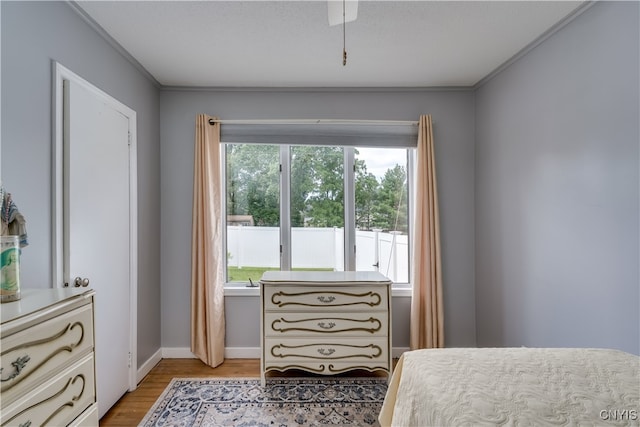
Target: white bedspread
<point x="513" y="386"/>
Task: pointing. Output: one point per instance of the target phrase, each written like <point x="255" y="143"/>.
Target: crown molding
<point x="112" y="42"/>
<point x="528" y="48"/>
<point x="339" y="89"/>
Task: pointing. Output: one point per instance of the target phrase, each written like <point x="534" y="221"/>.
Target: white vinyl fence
<point x="319" y="248"/>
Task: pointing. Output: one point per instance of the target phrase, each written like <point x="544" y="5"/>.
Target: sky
<point x="378" y="160"/>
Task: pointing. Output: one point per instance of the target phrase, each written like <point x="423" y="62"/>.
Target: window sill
<point x="237" y="290"/>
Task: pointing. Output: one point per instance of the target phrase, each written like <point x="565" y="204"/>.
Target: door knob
<point x="79" y="281"/>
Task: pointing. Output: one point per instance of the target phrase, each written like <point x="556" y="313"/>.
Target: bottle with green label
<point x="10" y="268"/>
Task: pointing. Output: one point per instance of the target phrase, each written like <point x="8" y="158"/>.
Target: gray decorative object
<point x="19" y="365"/>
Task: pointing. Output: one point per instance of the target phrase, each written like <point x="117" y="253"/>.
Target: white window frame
<point x="243" y="289"/>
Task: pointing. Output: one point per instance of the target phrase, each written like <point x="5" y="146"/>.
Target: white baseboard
<point x="229" y="353"/>
<point x="148" y="365"/>
<point x="242" y="353"/>
<point x="239" y="352"/>
<point x="177" y="353"/>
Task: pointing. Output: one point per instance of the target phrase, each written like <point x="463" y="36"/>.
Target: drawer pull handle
<point x="324" y="325"/>
<point x="27" y="424"/>
<point x="327" y="352"/>
<point x="19" y="364"/>
<point x="326" y="300"/>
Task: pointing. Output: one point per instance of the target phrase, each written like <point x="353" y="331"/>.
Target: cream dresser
<point x="47" y="359"/>
<point x="325" y="322"/>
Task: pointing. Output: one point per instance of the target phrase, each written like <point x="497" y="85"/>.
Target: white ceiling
<point x="290" y="43"/>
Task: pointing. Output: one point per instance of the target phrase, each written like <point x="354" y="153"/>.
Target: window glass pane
<point x="253" y="211"/>
<point x="381" y="191"/>
<point x="317" y="208"/>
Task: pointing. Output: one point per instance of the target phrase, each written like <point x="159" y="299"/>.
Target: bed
<point x="513" y="386"/>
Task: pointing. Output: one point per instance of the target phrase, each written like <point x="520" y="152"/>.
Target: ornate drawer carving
<point x="30" y="355"/>
<point x="319" y="299"/>
<point x="328" y="349"/>
<point x="301" y="324"/>
<point x="56" y="402"/>
<point x="325" y="367"/>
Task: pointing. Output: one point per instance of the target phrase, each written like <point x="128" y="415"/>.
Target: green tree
<point x="391" y="207"/>
<point x="366" y="187"/>
<point x="253" y="182"/>
<point x="302" y="162"/>
<point x="317" y="186"/>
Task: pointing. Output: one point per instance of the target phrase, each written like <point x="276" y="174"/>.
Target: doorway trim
<point x="59" y="74"/>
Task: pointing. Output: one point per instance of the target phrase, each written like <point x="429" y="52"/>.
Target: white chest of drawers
<point x="47" y="359"/>
<point x="325" y="322"/>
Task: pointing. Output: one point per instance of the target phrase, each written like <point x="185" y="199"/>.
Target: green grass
<point x="243" y="274"/>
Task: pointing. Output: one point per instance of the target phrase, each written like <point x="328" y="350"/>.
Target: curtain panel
<point x="207" y="261"/>
<point x="427" y="311"/>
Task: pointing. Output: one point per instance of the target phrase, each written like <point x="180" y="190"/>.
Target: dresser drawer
<point x="300" y="298"/>
<point x="347" y="324"/>
<point x="326" y="368"/>
<point x="58" y="401"/>
<point x="29" y="356"/>
<point x="339" y="349"/>
<point x="88" y="418"/>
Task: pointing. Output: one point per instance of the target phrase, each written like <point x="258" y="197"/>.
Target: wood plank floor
<point x="133" y="406"/>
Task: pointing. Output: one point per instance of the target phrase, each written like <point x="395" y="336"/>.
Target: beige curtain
<point x="207" y="279"/>
<point x="427" y="316"/>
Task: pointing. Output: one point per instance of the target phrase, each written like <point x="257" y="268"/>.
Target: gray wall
<point x="539" y="219"/>
<point x="34" y="34"/>
<point x="557" y="190"/>
<point x="453" y="117"/>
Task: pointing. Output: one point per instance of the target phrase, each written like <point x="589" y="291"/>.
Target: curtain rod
<point x="316" y="121"/>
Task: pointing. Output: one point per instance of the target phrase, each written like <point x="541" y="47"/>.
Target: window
<point x="311" y="207"/>
<point x="317" y="208"/>
<point x="252" y="210"/>
<point x="381" y="211"/>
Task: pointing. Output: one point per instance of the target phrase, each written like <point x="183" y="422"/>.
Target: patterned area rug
<point x="283" y="402"/>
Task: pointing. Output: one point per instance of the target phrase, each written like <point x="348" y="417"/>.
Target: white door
<point x="96" y="226"/>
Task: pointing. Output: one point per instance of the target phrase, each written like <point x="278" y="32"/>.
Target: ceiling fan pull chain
<point x="344" y="37"/>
